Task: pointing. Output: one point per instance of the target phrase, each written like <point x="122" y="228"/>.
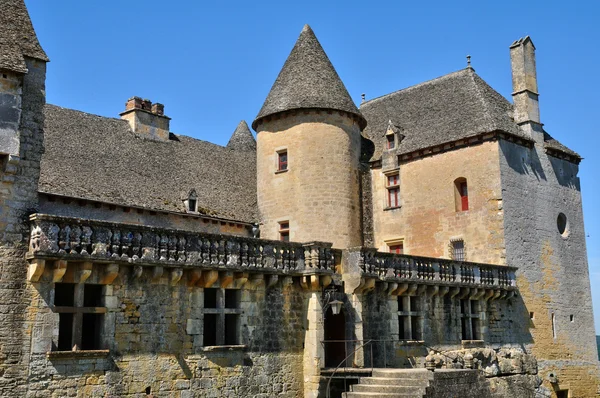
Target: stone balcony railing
<point x="82" y="240"/>
<point x="404" y="272"/>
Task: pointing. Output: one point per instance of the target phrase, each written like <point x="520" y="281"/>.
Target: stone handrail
<point x="91" y="240"/>
<point x="388" y="266"/>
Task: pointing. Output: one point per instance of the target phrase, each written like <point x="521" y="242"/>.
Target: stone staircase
<point x="401" y="383"/>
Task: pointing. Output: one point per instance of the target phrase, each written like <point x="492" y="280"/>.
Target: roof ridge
<point x="481" y="97"/>
<point x="415" y="86"/>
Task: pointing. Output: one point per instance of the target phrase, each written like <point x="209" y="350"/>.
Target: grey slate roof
<point x="242" y="138"/>
<point x="17" y="37"/>
<point x="452" y="107"/>
<point x="307" y="80"/>
<point x="99" y="158"/>
<point x="550" y="142"/>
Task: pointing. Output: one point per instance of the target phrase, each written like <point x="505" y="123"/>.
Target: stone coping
<point x="79" y="354"/>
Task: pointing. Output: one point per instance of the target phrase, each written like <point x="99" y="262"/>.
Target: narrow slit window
<point x="461" y="194"/>
<point x="282" y="161"/>
<point x="390" y="141"/>
<point x="284" y="231"/>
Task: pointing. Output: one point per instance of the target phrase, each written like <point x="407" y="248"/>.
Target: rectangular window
<point x="464" y="196"/>
<point x="458" y="250"/>
<point x="393" y="190"/>
<point x="221" y="316"/>
<point x="469" y="319"/>
<point x="282" y="161"/>
<point x="284" y="231"/>
<point x="80" y="316"/>
<point x="396" y="248"/>
<point x="192" y="205"/>
<point x="409" y="318"/>
<point x="390" y="140"/>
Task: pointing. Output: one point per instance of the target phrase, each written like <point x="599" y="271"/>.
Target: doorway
<point x="335" y="338"/>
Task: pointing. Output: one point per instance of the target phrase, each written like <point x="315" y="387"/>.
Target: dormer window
<point x="390" y="141"/>
<point x="191" y="203"/>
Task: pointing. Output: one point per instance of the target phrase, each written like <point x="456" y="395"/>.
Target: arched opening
<point x="335" y="338"/>
<point x="461" y="194"/>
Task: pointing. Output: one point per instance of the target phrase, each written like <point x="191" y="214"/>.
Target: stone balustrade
<point x="435" y="271"/>
<point x="74" y="239"/>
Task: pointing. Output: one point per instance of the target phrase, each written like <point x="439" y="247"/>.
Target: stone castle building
<point x="428" y="243"/>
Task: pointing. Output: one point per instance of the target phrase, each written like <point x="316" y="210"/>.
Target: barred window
<point x="458" y="250"/>
<point x="221" y="316"/>
<point x="469" y="318"/>
<point x="409" y="318"/>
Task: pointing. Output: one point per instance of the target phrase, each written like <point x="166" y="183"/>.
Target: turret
<point x="308" y="148"/>
<point x="242" y="138"/>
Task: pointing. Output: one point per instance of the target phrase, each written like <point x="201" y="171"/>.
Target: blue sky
<point x="212" y="63"/>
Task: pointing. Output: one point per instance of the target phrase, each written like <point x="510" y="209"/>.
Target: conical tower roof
<point x="242" y="138"/>
<point x="17" y="37"/>
<point x="308" y="80"/>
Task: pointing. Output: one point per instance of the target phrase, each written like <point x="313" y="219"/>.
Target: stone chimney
<point x="146" y="119"/>
<point x="524" y="81"/>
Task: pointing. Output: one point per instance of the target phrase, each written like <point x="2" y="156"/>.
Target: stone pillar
<point x="314" y="353"/>
<point x="357" y="304"/>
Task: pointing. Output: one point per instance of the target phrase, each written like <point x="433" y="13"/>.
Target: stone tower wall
<point x="319" y="193"/>
<point x="21" y="124"/>
<point x="553" y="276"/>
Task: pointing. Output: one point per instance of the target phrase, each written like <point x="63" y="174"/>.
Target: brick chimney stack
<point x="146" y="119"/>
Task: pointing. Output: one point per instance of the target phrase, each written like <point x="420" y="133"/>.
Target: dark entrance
<point x="335" y="336"/>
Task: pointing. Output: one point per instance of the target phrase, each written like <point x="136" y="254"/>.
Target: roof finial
<point x="469" y="62"/>
<point x="362" y="97"/>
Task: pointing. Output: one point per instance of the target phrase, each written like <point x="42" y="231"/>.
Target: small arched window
<point x="461" y="194"/>
<point x="191" y="202"/>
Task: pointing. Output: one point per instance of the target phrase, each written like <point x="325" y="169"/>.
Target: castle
<point x="427" y="243"/>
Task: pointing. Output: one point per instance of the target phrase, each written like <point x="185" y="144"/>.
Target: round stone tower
<point x="308" y="149"/>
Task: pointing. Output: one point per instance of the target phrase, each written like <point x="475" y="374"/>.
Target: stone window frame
<point x="221" y="310"/>
<point x="452" y="249"/>
<point x="191" y="202"/>
<point x="389" y="188"/>
<point x="390" y="141"/>
<point x="389" y="243"/>
<point x="461" y="201"/>
<point x="408" y="317"/>
<point x="279" y="166"/>
<point x="472" y="317"/>
<point x="284" y="230"/>
<point x="78" y="310"/>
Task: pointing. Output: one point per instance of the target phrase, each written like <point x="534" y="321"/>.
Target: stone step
<point x="403" y="373"/>
<point x="376" y="394"/>
<point x="388" y="389"/>
<point x="397" y="381"/>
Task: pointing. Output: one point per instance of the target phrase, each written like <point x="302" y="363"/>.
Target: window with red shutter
<point x="461" y="194"/>
<point x="282" y="161"/>
<point x="393" y="190"/>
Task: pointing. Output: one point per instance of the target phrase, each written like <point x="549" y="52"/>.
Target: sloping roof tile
<point x="307" y="80"/>
<point x="452" y="107"/>
<point x="17" y="37"/>
<point x="99" y="158"/>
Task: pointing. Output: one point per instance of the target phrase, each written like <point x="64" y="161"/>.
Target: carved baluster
<point x="126" y="239"/>
<point x="116" y="242"/>
<point x="63" y="242"/>
<point x="221" y="252"/>
<point x="172" y="248"/>
<point x="205" y="251"/>
<point x="101" y="242"/>
<point x="75" y="240"/>
<point x="214" y="248"/>
<point x="86" y="241"/>
<point x="261" y="256"/>
<point x="181" y="255"/>
<point x="163" y="244"/>
<point x="34" y="240"/>
<point x="149" y="245"/>
<point x="233" y="253"/>
<point x="244" y="253"/>
<point x="278" y="264"/>
<point x="136" y="244"/>
<point x="252" y="254"/>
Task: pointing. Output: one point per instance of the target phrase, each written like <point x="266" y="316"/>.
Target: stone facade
<point x="452" y="242"/>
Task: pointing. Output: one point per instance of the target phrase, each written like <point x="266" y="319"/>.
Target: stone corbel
<point x="256" y="281"/>
<point x="475" y="293"/>
<point x="226" y="279"/>
<point x="271" y="280"/>
<point x="511" y="294"/>
<point x="454" y="291"/>
<point x="421" y="289"/>
<point x="35" y="269"/>
<point x="111" y="271"/>
<point x="138" y="270"/>
<point x="392" y="287"/>
<point x="366" y="285"/>
<point x="157" y="273"/>
<point x="443" y="291"/>
<point x="325" y="280"/>
<point x="310" y="283"/>
<point x="464" y="292"/>
<point x="60" y="267"/>
<point x="83" y="272"/>
<point x="489" y="293"/>
<point x="193" y="276"/>
<point x="411" y="290"/>
<point x="208" y="278"/>
<point x="240" y="279"/>
<point x="433" y="290"/>
<point x="496" y="295"/>
<point x="401" y="289"/>
<point x="175" y="276"/>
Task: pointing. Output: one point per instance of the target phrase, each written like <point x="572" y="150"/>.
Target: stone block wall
<point x="22" y="142"/>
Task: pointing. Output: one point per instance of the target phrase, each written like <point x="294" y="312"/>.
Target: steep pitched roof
<point x="242" y="138"/>
<point x="99" y="158"/>
<point x="307" y="80"/>
<point x="452" y="107"/>
<point x="552" y="143"/>
<point x="17" y="37"/>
